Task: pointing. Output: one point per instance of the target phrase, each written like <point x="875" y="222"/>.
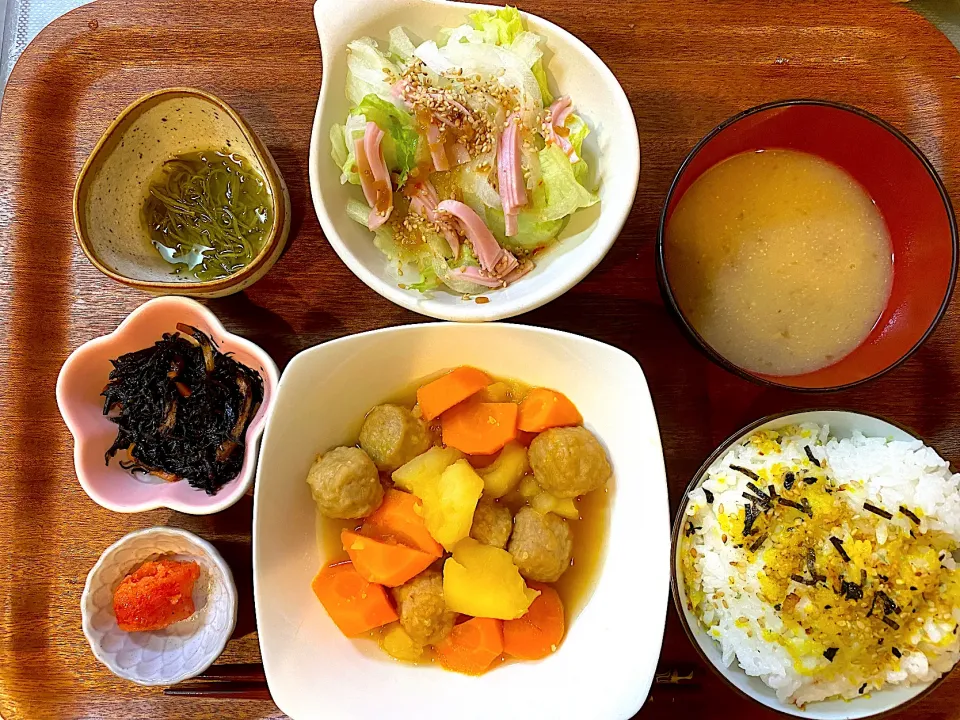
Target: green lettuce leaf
<point x="541" y="75"/>
<point x="532" y="233"/>
<point x="578" y="133"/>
<point x="506" y="21"/>
<point x="400" y="136"/>
<point x="563" y="194"/>
<point x="342" y="141"/>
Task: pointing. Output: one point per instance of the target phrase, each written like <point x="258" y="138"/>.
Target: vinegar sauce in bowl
<point x="780" y="260"/>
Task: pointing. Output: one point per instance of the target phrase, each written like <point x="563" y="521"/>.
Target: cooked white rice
<point x="802" y="628"/>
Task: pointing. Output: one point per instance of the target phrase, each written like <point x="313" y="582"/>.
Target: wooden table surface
<point x="685" y="64"/>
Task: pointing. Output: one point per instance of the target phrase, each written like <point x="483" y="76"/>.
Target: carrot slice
<point x="382" y="563"/>
<point x="453" y="388"/>
<point x="354" y="604"/>
<point x="542" y="409"/>
<point x="400" y="516"/>
<point x="538" y="633"/>
<point x="472" y="646"/>
<point x="479" y="428"/>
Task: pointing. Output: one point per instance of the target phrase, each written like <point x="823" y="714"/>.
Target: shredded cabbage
<point x="507" y="24"/>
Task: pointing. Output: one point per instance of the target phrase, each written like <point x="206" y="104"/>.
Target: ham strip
<point x="493" y="258"/>
<point x="383" y="200"/>
<point x="424" y="201"/>
<point x="556" y="130"/>
<point x="513" y="191"/>
<point x="476" y="276"/>
<point x="435" y="143"/>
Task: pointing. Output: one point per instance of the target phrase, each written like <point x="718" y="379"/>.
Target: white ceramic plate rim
<point x="254" y="430"/>
<point x="210" y="551"/>
<point x="708" y="647"/>
<point x="628" y="155"/>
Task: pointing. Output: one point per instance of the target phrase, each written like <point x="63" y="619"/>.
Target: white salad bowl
<point x="842" y="424"/>
<point x="177" y="652"/>
<point x="603" y="669"/>
<point x="612" y="149"/>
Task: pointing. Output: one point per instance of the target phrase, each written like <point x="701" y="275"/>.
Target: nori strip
<point x="887" y="620"/>
<point x="896" y="652"/>
<point x="838" y="544"/>
<point x="759" y="492"/>
<point x="788" y="480"/>
<point x="709" y="495"/>
<point x="810" y="480"/>
<point x="197" y="435"/>
<point x="877" y="511"/>
<point x="751" y="513"/>
<point x="862" y="688"/>
<point x="811" y="456"/>
<point x="745" y="471"/>
<point x="851" y="591"/>
<point x="758" y="542"/>
<point x="802" y="580"/>
<point x="910" y="515"/>
<point x="791" y="503"/>
<point x="889" y="605"/>
<point x="831" y="653"/>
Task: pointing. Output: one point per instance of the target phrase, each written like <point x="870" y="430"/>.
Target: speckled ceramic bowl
<point x="112" y="187"/>
<point x="180" y="651"/>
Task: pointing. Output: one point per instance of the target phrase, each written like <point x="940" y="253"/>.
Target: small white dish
<point x="613" y="149"/>
<point x="86" y="372"/>
<point x="603" y="669"/>
<point x="842" y="424"/>
<point x="180" y="651"/>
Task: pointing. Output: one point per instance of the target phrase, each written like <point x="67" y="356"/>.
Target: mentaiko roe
<point x="155" y="595"/>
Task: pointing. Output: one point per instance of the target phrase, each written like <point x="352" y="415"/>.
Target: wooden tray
<point x="685" y="64"/>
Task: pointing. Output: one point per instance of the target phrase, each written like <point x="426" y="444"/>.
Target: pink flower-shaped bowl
<point x="83" y="377"/>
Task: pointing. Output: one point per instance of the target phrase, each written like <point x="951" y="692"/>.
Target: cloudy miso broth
<point x="780" y="260"/>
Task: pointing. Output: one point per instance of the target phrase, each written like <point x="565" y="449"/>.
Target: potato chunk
<point x="482" y="581"/>
<point x="399" y="645"/>
<point x="505" y="472"/>
<point x="424" y="470"/>
<point x="448" y="507"/>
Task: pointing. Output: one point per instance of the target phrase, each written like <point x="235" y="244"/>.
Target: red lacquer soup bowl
<point x="907" y="191"/>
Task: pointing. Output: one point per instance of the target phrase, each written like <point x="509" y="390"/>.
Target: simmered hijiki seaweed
<point x="182" y="408"/>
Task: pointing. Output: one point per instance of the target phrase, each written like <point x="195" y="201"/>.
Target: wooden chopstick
<point x="240" y="671"/>
<point x="227" y="689"/>
<point x="245" y="681"/>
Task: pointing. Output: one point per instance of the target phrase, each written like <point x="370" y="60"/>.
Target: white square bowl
<point x="612" y="149"/>
<point x="604" y="667"/>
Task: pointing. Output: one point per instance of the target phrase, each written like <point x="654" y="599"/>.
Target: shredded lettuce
<point x="400" y="136"/>
<point x="578" y="133"/>
<point x="532" y="233"/>
<point x="401" y="47"/>
<point x="506" y="25"/>
<point x="366" y="75"/>
<point x="506" y="22"/>
<point x="564" y="195"/>
<point x="342" y="141"/>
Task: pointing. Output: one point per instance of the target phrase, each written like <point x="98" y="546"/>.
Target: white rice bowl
<point x="814" y="642"/>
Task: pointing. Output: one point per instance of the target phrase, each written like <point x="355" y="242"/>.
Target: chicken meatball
<point x="492" y="524"/>
<point x="569" y="461"/>
<point x="423" y="613"/>
<point x="392" y="436"/>
<point x="541" y="545"/>
<point x="345" y="483"/>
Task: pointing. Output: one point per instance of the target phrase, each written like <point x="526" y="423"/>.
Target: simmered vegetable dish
<point x="473" y="521"/>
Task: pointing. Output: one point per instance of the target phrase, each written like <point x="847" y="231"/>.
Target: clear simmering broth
<point x="780" y="260"/>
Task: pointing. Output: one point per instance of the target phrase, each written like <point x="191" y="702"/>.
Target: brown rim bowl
<point x="112" y="186"/>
